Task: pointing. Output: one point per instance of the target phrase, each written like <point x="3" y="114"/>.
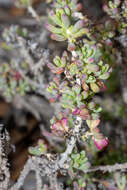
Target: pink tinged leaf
<point x="90" y="60"/>
<point x="84" y="77"/>
<point x="76" y="111"/>
<point x="96" y="123"/>
<point x="105" y="7"/>
<point x="75" y="185"/>
<point x="51" y="14"/>
<point x="84" y="113"/>
<point x="79" y="63"/>
<point x="65" y="20"/>
<point x="55" y="69"/>
<point x="79" y="24"/>
<point x="115" y="11"/>
<point x="64" y="123"/>
<point x="54" y="126"/>
<point x="79" y="7"/>
<point x="96" y="133"/>
<point x="59" y="70"/>
<point x="101" y="143"/>
<point x="85" y="86"/>
<point x="56" y="80"/>
<point x="71" y="47"/>
<point x="67" y="10"/>
<point x="52" y="67"/>
<point x="60" y="126"/>
<point x="108" y="42"/>
<point x="93" y="123"/>
<point x="52" y="100"/>
<point x="48" y="26"/>
<point x="58" y="37"/>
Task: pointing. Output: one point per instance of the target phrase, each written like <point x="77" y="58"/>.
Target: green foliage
<point x="40" y="149"/>
<point x="79" y="160"/>
<point x="61" y="19"/>
<point x="119" y="14"/>
<point x="12" y="81"/>
<point x="85" y="65"/>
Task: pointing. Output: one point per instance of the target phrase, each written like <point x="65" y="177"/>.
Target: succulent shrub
<point x="81" y="71"/>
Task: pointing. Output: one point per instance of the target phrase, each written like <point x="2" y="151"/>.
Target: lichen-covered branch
<point x="108" y="168"/>
<point x="4" y="166"/>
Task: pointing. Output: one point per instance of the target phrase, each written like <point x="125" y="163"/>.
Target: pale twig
<point x="38" y="181"/>
<point x="24" y="52"/>
<point x="71" y="144"/>
<point x="54" y="184"/>
<point x="27" y="168"/>
<point x="33" y="13"/>
<point x="107" y="168"/>
<point x="45" y="165"/>
<point x="4" y="169"/>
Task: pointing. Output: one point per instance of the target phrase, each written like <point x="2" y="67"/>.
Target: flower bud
<point x="71" y="47"/>
<point x="101" y="143"/>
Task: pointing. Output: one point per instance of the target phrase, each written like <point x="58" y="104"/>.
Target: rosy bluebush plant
<point x="85" y="65"/>
<point x="12" y="81"/>
<point x="117" y="9"/>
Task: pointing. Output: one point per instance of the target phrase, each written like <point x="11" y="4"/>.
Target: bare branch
<point x="108" y="168"/>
